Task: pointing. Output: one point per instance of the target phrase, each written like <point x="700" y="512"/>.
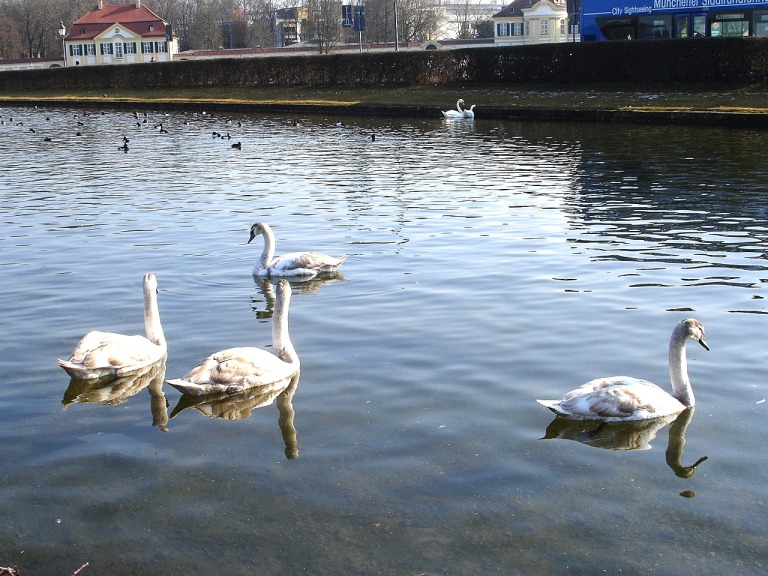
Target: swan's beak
<point x="703" y="343"/>
<point x="251" y="238"/>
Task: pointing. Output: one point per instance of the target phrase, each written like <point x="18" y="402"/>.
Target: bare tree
<point x="417" y="20"/>
<point x="380" y="20"/>
<point x="324" y="23"/>
<point x="36" y="26"/>
<point x="11" y="43"/>
<point x="466" y="18"/>
<point x="260" y="15"/>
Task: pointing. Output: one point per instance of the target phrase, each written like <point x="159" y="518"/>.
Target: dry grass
<point x="738" y="99"/>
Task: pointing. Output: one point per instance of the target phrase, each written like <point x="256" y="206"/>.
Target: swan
<point x="621" y="398"/>
<point x="237" y="369"/>
<point x="471" y="112"/>
<point x="292" y="264"/>
<point x="100" y="354"/>
<point x="455" y="114"/>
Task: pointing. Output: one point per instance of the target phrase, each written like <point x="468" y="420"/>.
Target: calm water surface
<point x="490" y="264"/>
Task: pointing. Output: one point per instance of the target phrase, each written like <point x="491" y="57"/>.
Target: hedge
<point x="711" y="60"/>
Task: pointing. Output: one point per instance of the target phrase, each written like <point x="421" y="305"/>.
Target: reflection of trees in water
<point x="635" y="435"/>
<point x="671" y="195"/>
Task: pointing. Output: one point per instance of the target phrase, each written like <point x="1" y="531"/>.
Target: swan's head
<point x="150" y="283"/>
<point x="283" y="291"/>
<point x="256" y="230"/>
<point x="693" y="329"/>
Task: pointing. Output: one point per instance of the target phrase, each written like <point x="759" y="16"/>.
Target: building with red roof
<point x="119" y="34"/>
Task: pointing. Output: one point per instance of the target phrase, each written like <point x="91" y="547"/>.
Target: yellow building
<point x="533" y="22"/>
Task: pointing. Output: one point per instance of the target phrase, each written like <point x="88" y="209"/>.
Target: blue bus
<point x="648" y="19"/>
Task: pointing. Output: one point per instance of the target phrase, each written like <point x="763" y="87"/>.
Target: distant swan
<point x="291" y="264"/>
<point x="100" y="354"/>
<point x="471" y="112"/>
<point x="237" y="369"/>
<point x="455" y="114"/>
<point x="620" y="398"/>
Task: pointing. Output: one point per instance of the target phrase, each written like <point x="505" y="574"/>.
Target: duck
<point x="235" y="370"/>
<point x="107" y="354"/>
<point x="625" y="398"/>
<point x="306" y="264"/>
<point x="455" y="114"/>
<point x="471" y="112"/>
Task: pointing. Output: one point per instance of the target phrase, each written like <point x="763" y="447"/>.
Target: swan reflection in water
<point x="633" y="435"/>
<point x="110" y="391"/>
<point x="299" y="285"/>
<point x="239" y="407"/>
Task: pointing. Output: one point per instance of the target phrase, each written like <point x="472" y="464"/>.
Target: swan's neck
<point x="152" y="318"/>
<point x="269" y="247"/>
<point x="281" y="340"/>
<point x="678" y="370"/>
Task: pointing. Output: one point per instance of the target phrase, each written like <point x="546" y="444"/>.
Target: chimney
<point x="100" y="5"/>
<point x="138" y="4"/>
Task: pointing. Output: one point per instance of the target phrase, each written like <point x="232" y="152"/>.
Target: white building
<point x="119" y="34"/>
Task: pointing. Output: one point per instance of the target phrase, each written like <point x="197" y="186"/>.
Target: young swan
<point x="621" y="398"/>
<point x="237" y="369"/>
<point x="101" y="354"/>
<point x="305" y="264"/>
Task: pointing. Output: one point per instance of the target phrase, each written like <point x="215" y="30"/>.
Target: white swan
<point x="455" y="114"/>
<point x="620" y="398"/>
<point x="238" y="369"/>
<point x="291" y="264"/>
<point x="101" y="354"/>
<point x="471" y="112"/>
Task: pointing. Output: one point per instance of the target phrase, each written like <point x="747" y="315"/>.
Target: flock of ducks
<point x="230" y="371"/>
<point x="234" y="370"/>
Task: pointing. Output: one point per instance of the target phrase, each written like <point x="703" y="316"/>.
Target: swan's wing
<point x="453" y="114"/>
<point x="234" y="370"/>
<point x="615" y="398"/>
<point x="103" y="353"/>
<point x="304" y="264"/>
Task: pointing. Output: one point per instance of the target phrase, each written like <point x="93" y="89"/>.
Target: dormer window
<point x="151" y="28"/>
<point x="82" y="30"/>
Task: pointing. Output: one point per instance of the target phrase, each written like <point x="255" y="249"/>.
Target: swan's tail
<point x="551" y="404"/>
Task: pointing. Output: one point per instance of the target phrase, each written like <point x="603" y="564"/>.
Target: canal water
<point x="490" y="264"/>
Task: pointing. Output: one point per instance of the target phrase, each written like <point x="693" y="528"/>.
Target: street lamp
<point x="62" y="33"/>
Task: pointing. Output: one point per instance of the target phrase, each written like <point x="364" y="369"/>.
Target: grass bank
<point x="745" y="104"/>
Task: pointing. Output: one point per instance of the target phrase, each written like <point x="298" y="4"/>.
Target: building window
<point x="562" y="26"/>
<point x="544" y="27"/>
<point x="129" y="47"/>
<point x="151" y="28"/>
<point x="527" y="27"/>
<point x="75" y="50"/>
<point x="117" y="30"/>
<point x="517" y="29"/>
<point x="118" y="49"/>
<point x="146" y="47"/>
<point x="90" y="49"/>
<point x="161" y="47"/>
<point x="106" y="49"/>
